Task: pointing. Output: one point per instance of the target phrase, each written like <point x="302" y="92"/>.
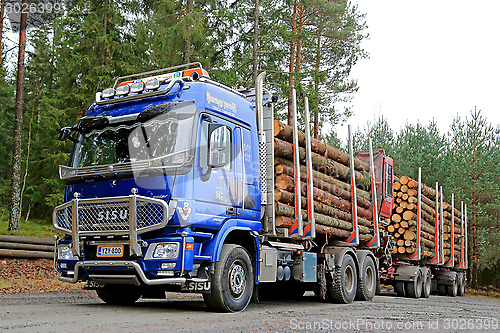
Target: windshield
<point x="165" y="139"/>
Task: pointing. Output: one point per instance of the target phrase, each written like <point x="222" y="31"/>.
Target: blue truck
<point x="170" y="187"/>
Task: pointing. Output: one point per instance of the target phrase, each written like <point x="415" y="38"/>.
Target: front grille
<point x="111" y="215"/>
<point x="103" y="217"/>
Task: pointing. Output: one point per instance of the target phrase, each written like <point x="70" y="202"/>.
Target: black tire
<point x="452" y="290"/>
<point x="442" y="289"/>
<point x="426" y="284"/>
<point x="461" y="284"/>
<point x="399" y="288"/>
<point x="367" y="280"/>
<point x="344" y="285"/>
<point x="232" y="281"/>
<point x="414" y="288"/>
<point x="115" y="294"/>
<point x="378" y="291"/>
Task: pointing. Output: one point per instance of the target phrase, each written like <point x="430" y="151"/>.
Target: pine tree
<point x="475" y="147"/>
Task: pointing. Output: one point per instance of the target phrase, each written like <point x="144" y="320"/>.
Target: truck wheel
<point x="399" y="288"/>
<point x="414" y="288"/>
<point x="452" y="290"/>
<point x="461" y="284"/>
<point x="232" y="281"/>
<point x="343" y="287"/>
<point x="367" y="280"/>
<point x="426" y="284"/>
<point x="442" y="289"/>
<point x="116" y="294"/>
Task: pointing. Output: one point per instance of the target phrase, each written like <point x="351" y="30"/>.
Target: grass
<point x="33" y="228"/>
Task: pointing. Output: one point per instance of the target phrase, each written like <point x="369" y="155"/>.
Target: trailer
<point x="179" y="183"/>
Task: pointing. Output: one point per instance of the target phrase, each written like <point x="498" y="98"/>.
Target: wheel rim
<point x="237" y="279"/>
<point x="349" y="279"/>
<point x="427" y="284"/>
<point x="369" y="278"/>
<point x="419" y="285"/>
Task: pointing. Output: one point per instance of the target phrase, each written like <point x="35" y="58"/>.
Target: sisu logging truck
<point x="179" y="183"/>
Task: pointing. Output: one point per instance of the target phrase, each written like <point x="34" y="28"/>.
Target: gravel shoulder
<point x="82" y="311"/>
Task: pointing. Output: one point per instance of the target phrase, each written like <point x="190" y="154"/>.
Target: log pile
<point x="332" y="189"/>
<point x="403" y="221"/>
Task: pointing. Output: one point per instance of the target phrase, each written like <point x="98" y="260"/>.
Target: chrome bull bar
<point x="125" y="215"/>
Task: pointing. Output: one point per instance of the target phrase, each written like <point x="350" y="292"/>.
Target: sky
<point x="427" y="60"/>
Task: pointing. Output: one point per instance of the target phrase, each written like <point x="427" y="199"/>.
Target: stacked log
<point x="404" y="216"/>
<point x="26" y="247"/>
<point x="403" y="220"/>
<point x="332" y="189"/>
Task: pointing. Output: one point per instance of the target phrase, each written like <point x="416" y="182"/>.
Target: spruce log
<point x="427" y="242"/>
<point x="331" y="188"/>
<point x="396" y="217"/>
<point x="323" y="164"/>
<point x="282" y="209"/>
<point x="321" y="176"/>
<point x="429" y="202"/>
<point x="27" y="240"/>
<point x="25" y="254"/>
<point x="289" y="198"/>
<point x="25" y="246"/>
<point x="338" y="233"/>
<point x="404" y="180"/>
<point x="285" y="182"/>
<point x="427" y="235"/>
<point x="285" y="132"/>
<point x="284" y="221"/>
<point x="409" y="215"/>
<point x="409" y="235"/>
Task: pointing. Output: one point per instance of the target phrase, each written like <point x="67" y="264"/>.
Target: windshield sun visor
<point x="159" y="139"/>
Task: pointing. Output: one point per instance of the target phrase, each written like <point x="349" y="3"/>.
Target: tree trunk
<point x="291" y="69"/>
<point x="188" y="27"/>
<point x="2" y="12"/>
<point x="255" y="40"/>
<point x="15" y="200"/>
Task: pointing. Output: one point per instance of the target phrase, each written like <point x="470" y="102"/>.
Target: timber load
<point x="403" y="222"/>
<point x="332" y="192"/>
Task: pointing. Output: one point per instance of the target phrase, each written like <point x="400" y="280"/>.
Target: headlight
<point x="137" y="87"/>
<point x="166" y="251"/>
<point x="64" y="252"/>
<point x="152" y="85"/>
<point x="122" y="90"/>
<point x="108" y="93"/>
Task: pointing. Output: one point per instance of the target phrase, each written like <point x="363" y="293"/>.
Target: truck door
<point x="215" y="190"/>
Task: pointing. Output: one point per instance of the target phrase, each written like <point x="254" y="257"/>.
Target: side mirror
<point x="66" y="132"/>
<point x="218" y="143"/>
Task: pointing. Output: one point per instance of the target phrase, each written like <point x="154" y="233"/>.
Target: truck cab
<point x="162" y="175"/>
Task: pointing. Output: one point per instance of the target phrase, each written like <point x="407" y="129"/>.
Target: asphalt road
<point x="84" y="312"/>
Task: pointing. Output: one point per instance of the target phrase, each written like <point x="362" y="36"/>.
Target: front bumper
<point x="124" y="278"/>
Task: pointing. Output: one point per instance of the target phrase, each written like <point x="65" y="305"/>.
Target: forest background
<point x="309" y="45"/>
